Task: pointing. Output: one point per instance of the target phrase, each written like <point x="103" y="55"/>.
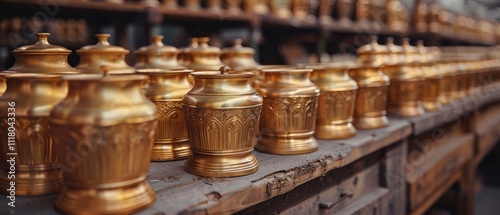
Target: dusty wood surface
<point x="374" y="203"/>
<point x="393" y="177"/>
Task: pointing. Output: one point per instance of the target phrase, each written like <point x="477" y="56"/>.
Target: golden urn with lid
<point x="26" y="140"/>
<point x="289" y="112"/>
<point x="41" y="57"/>
<point x="104" y="132"/>
<point x="199" y="56"/>
<point x="157" y="56"/>
<point x="93" y="57"/>
<point x="166" y="88"/>
<point x="371" y="96"/>
<point x="239" y="58"/>
<point x="448" y="71"/>
<point x="336" y="100"/>
<point x="432" y="77"/>
<point x="222" y="113"/>
<point x="404" y="96"/>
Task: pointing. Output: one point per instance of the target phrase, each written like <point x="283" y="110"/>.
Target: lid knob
<point x="406" y="41"/>
<point x="103" y="38"/>
<point x="43" y="38"/>
<point x="390" y="41"/>
<point x="157" y="40"/>
<point x="373" y="40"/>
<point x="203" y="41"/>
<point x="194" y="42"/>
<point x="237" y="43"/>
<point x="224" y="70"/>
<point x="420" y="43"/>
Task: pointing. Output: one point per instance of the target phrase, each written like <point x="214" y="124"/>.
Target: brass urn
<point x="335" y="102"/>
<point x="446" y="84"/>
<point x="166" y="88"/>
<point x="281" y="8"/>
<point x="432" y="77"/>
<point x="345" y="8"/>
<point x="103" y="133"/>
<point x="26" y="142"/>
<point x="325" y="12"/>
<point x="214" y="6"/>
<point x="404" y="96"/>
<point x="93" y="57"/>
<point x="371" y="97"/>
<point x="373" y="53"/>
<point x="396" y="54"/>
<point x="199" y="56"/>
<point x="256" y="6"/>
<point x="233" y="6"/>
<point x="222" y="113"/>
<point x="172" y="4"/>
<point x="289" y="112"/>
<point x="239" y="58"/>
<point x="192" y="4"/>
<point x="300" y="9"/>
<point x="41" y="57"/>
<point x="157" y="56"/>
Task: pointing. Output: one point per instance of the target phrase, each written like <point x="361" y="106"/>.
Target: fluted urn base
<point x="406" y="110"/>
<point x="40" y="180"/>
<point x="118" y="199"/>
<point x="287" y="144"/>
<point x="170" y="150"/>
<point x="371" y="122"/>
<point x="221" y="164"/>
<point x="335" y="131"/>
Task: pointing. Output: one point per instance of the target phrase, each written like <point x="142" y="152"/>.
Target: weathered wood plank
<point x="375" y="203"/>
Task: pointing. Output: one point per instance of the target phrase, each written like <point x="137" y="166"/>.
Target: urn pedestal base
<point x="221" y="164"/>
<point x="371" y="122"/>
<point x="431" y="106"/>
<point x="118" y="199"/>
<point x="287" y="144"/>
<point x="32" y="181"/>
<point x="335" y="131"/>
<point x="169" y="150"/>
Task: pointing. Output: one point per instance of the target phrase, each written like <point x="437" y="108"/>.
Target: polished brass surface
<point x="166" y="88"/>
<point x="256" y="6"/>
<point x="42" y="57"/>
<point x="239" y="58"/>
<point x="3" y="84"/>
<point x="93" y="57"/>
<point x="281" y="8"/>
<point x="325" y="12"/>
<point x="26" y="106"/>
<point x="458" y="81"/>
<point x="104" y="132"/>
<point x="222" y="113"/>
<point x="233" y="6"/>
<point x="289" y="112"/>
<point x="432" y="77"/>
<point x="157" y="56"/>
<point x="373" y="53"/>
<point x="258" y="79"/>
<point x="398" y="16"/>
<point x="447" y="81"/>
<point x="199" y="56"/>
<point x="345" y="8"/>
<point x="371" y="97"/>
<point x="405" y="90"/>
<point x="335" y="102"/>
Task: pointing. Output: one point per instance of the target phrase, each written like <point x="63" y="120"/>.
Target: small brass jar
<point x="103" y="133"/>
<point x="239" y="58"/>
<point x="300" y="9"/>
<point x="345" y="8"/>
<point x="447" y="82"/>
<point x="335" y="102"/>
<point x="199" y="56"/>
<point x="325" y="12"/>
<point x="289" y="112"/>
<point x="256" y="6"/>
<point x="42" y="57"/>
<point x="166" y="88"/>
<point x="192" y="4"/>
<point x="157" y="56"/>
<point x="432" y="78"/>
<point x="222" y="113"/>
<point x="25" y="109"/>
<point x="373" y="53"/>
<point x="396" y="54"/>
<point x="404" y="96"/>
<point x="281" y="8"/>
<point x="233" y="6"/>
<point x="458" y="82"/>
<point x="93" y="57"/>
<point x="214" y="6"/>
<point x="371" y="97"/>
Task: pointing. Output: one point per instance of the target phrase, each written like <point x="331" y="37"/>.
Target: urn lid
<point x="373" y="47"/>
<point x="157" y="47"/>
<point x="102" y="46"/>
<point x="238" y="48"/>
<point x="407" y="48"/>
<point x="42" y="46"/>
<point x="200" y="46"/>
<point x="393" y="48"/>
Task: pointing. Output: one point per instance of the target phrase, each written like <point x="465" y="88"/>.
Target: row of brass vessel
<point x="95" y="134"/>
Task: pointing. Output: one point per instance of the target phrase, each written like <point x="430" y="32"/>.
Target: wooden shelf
<point x="180" y="192"/>
<point x="86" y="6"/>
<point x="450" y="37"/>
<point x="204" y="15"/>
<point x="356" y="28"/>
<point x="273" y="21"/>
